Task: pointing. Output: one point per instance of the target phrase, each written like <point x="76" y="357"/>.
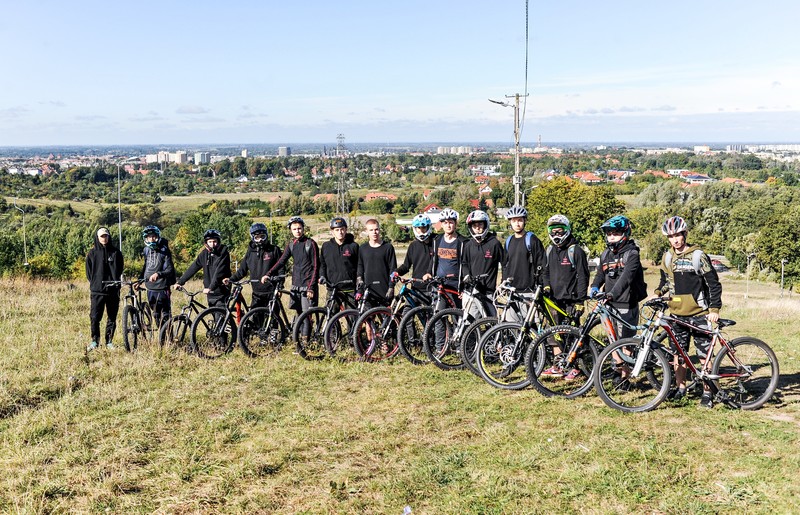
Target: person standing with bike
<point x="525" y="260"/>
<point x="260" y="257"/>
<point x="215" y="262"/>
<point x="158" y="273"/>
<point x="695" y="292"/>
<point x="339" y="256"/>
<point x="104" y="264"/>
<point x="447" y="250"/>
<point x="376" y="260"/>
<point x="482" y="257"/>
<point x="419" y="256"/>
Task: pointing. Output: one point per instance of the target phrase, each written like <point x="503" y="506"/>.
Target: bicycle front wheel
<point x="471" y="339"/>
<point x="443" y="339"/>
<point x="213" y="333"/>
<point x="375" y="334"/>
<point x="309" y="334"/>
<point x="130" y="328"/>
<point x="619" y="389"/>
<point x="410" y="334"/>
<point x="338" y="335"/>
<point x="174" y="333"/>
<point x="501" y="356"/>
<point x="262" y="333"/>
<point x="748" y="372"/>
<point x="567" y="373"/>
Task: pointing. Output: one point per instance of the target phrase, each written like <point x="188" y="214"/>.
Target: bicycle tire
<point x="501" y="358"/>
<point x="261" y="334"/>
<point x="338" y="335"/>
<point x="757" y="361"/>
<point x="410" y="336"/>
<point x="173" y="333"/>
<point x="211" y="337"/>
<point x="130" y="331"/>
<point x="471" y="340"/>
<point x="311" y="346"/>
<point x="375" y="334"/>
<point x="444" y="353"/>
<point x="632" y="394"/>
<point x="540" y="357"/>
<point x="146" y="322"/>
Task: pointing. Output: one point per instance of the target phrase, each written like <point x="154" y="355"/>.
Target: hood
<point x="348" y="238"/>
<point x="109" y="247"/>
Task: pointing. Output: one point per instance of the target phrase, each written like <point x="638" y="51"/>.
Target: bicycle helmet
<point x="212" y="234"/>
<point x="474" y="218"/>
<point x="674" y="225"/>
<point x="338" y="222"/>
<point x="258" y="229"/>
<point x="617" y="223"/>
<point x="448" y="214"/>
<point x="558" y="222"/>
<point x="149" y="231"/>
<point x="295" y="220"/>
<point x="516" y="212"/>
<point x="422" y="222"/>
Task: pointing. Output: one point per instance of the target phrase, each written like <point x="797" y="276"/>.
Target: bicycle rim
<point x="129" y="328"/>
<point x="501" y="354"/>
<point x="570" y="369"/>
<point x="619" y="390"/>
<point x="471" y="339"/>
<point x="411" y="334"/>
<point x="261" y="334"/>
<point x="749" y="374"/>
<point x="444" y="350"/>
<point x="309" y="333"/>
<point x="338" y="335"/>
<point x="212" y="335"/>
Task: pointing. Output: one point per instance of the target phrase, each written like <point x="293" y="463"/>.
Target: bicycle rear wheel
<point x="338" y="335"/>
<point x="619" y="390"/>
<point x="749" y="372"/>
<point x="309" y="334"/>
<point x="130" y="328"/>
<point x="175" y="333"/>
<point x="501" y="356"/>
<point x="411" y="334"/>
<point x="375" y="334"/>
<point x="471" y="339"/>
<point x="213" y="333"/>
<point x="571" y="375"/>
<point x="262" y="333"/>
<point x="443" y="339"/>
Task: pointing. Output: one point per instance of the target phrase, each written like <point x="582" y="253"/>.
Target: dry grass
<point x="114" y="432"/>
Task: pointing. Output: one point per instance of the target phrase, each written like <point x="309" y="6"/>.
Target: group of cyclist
<point x="561" y="269"/>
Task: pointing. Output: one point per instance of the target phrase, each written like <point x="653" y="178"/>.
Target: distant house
<point x="587" y="178"/>
<point x="697" y="178"/>
<point x="485" y="191"/>
<point x="658" y="173"/>
<point x="734" y="180"/>
<point x="377" y="194"/>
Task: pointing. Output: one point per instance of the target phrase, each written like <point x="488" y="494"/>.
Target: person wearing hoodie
<point x="339" y="256"/>
<point x="158" y="273"/>
<point x="305" y="267"/>
<point x="482" y="254"/>
<point x="376" y="260"/>
<point x="215" y="261"/>
<point x="103" y="264"/>
<point x="419" y="257"/>
<point x="695" y="292"/>
<point x="261" y="255"/>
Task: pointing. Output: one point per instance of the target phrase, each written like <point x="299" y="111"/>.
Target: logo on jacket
<point x="488" y="254"/>
<point x="346" y="253"/>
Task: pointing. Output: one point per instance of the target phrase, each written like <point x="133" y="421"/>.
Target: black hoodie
<point x="339" y="262"/>
<point x="483" y="257"/>
<point x="216" y="266"/>
<point x="419" y="258"/>
<point x="103" y="263"/>
<point x="258" y="260"/>
<point x="621" y="273"/>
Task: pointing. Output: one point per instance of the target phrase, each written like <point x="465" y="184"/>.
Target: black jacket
<point x="527" y="268"/>
<point x="483" y="258"/>
<point x="216" y="266"/>
<point x="622" y="275"/>
<point x="257" y="260"/>
<point x="419" y="257"/>
<point x="103" y="263"/>
<point x="305" y="262"/>
<point x="569" y="279"/>
<point x="339" y="262"/>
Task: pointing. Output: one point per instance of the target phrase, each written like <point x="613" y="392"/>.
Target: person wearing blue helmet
<point x="620" y="272"/>
<point x="158" y="273"/>
<point x="419" y="257"/>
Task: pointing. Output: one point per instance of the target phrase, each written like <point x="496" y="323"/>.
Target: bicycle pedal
<point x="228" y="329"/>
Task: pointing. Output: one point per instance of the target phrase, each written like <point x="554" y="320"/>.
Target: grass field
<point x="113" y="432"/>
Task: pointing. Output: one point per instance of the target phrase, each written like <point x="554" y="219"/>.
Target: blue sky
<point x="703" y="71"/>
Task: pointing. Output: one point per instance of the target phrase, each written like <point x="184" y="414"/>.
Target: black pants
<point x="108" y="303"/>
<point x="161" y="305"/>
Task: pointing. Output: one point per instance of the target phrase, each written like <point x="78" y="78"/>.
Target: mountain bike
<point x="743" y="374"/>
<point x="501" y="351"/>
<point x="214" y="330"/>
<point x="579" y="348"/>
<point x="410" y="335"/>
<point x="309" y="328"/>
<point x="175" y="332"/>
<point x="338" y="334"/>
<point x="263" y="331"/>
<point x="137" y="316"/>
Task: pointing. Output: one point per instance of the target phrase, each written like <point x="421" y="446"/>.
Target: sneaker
<point x="554" y="372"/>
<point x="110" y="346"/>
<point x="677" y="394"/>
<point x="573" y="375"/>
<point x="621" y="383"/>
<point x="706" y="401"/>
<point x="92" y="346"/>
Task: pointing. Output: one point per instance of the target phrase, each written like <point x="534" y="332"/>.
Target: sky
<point x="155" y="72"/>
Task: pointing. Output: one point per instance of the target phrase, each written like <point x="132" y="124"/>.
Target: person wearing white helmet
<point x="482" y="255"/>
<point x="447" y="250"/>
<point x="524" y="253"/>
<point x="693" y="286"/>
<point x="419" y="257"/>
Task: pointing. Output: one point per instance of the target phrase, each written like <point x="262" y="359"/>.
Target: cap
<point x="101" y="231"/>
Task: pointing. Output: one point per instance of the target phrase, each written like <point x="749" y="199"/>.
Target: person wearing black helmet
<point x="339" y="255"/>
<point x="158" y="273"/>
<point x="305" y="266"/>
<point x="103" y="264"/>
<point x="261" y="255"/>
<point x="215" y="261"/>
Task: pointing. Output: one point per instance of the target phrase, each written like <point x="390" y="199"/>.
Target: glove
<point x="394" y="277"/>
<point x="593" y="292"/>
<point x="358" y="295"/>
<point x="547" y="290"/>
<point x="322" y="280"/>
<point x="578" y="308"/>
<point x="467" y="278"/>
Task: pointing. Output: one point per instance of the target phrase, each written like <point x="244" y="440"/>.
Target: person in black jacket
<point x="158" y="272"/>
<point x="419" y="256"/>
<point x="376" y="260"/>
<point x="525" y="260"/>
<point x="305" y="266"/>
<point x="482" y="255"/>
<point x="261" y="255"/>
<point x="215" y="261"/>
<point x="103" y="264"/>
<point x="339" y="257"/>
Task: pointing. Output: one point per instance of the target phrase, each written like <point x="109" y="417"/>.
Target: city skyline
<point x="90" y="73"/>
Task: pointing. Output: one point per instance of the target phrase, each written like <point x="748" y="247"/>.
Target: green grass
<point x="115" y="432"/>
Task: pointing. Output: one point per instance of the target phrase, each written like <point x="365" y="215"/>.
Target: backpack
<point x="697" y="256"/>
<point x="570" y="254"/>
<point x="308" y="246"/>
<point x="528" y="236"/>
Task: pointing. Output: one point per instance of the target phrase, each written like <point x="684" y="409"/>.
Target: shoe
<point x="620" y="383"/>
<point x="706" y="401"/>
<point x="553" y="372"/>
<point x="677" y="394"/>
<point x="573" y="375"/>
<point x="110" y="346"/>
<point x="92" y="346"/>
